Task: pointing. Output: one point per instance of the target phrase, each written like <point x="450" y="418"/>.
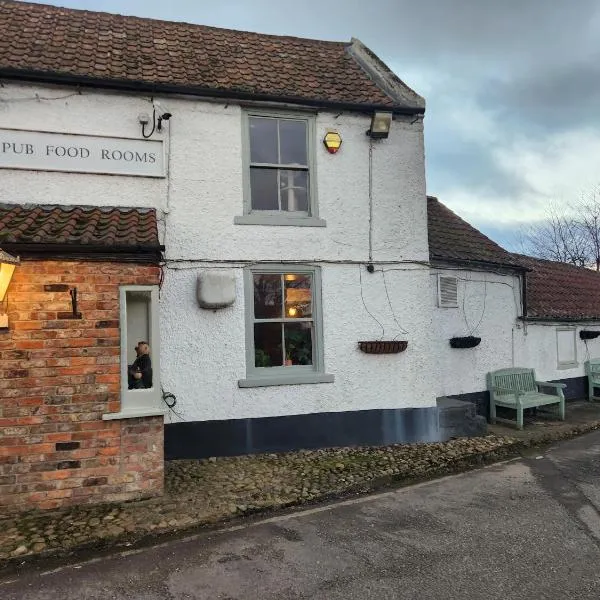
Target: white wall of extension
<point x="537" y="348"/>
<point x="203" y="352"/>
<point x="488" y="307"/>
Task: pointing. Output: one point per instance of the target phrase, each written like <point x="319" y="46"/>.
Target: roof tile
<point x="78" y="226"/>
<point x="35" y="36"/>
<point x="452" y="239"/>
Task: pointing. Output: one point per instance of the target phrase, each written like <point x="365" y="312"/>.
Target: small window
<point x="140" y="369"/>
<point x="447" y="291"/>
<point x="566" y="347"/>
<point x="279" y="170"/>
<point x="284" y="330"/>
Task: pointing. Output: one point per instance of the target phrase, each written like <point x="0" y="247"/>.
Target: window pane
<point x="298" y="295"/>
<point x="298" y="343"/>
<point x="294" y="190"/>
<point x="292" y="140"/>
<point x="263" y="184"/>
<point x="263" y="140"/>
<point x="267" y="345"/>
<point x="267" y="296"/>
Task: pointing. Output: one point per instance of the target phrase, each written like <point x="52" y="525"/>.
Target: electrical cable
<point x="402" y="330"/>
<point x="365" y="305"/>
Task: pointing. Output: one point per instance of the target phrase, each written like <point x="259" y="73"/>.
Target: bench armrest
<point x="558" y="386"/>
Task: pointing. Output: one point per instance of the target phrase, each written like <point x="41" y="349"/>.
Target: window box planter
<point x="383" y="347"/>
<point x="586" y="334"/>
<point x="468" y="341"/>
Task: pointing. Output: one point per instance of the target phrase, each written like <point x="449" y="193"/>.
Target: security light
<point x="381" y="122"/>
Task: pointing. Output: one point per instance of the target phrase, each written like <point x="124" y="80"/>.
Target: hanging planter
<point x="587" y="334"/>
<point x="468" y="341"/>
<point x="383" y="347"/>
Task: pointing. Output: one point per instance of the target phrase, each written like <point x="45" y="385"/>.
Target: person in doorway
<point x="140" y="372"/>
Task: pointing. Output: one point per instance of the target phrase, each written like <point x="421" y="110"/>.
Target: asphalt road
<point x="527" y="529"/>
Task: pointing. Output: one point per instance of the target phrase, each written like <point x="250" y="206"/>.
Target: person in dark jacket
<point x="140" y="372"/>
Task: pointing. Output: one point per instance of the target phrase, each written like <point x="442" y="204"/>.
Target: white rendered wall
<point x="210" y="357"/>
<point x="488" y="307"/>
<point x="537" y="349"/>
<point x="203" y="352"/>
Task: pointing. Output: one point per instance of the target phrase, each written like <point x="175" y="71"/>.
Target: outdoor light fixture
<point x="381" y="122"/>
<point x="7" y="268"/>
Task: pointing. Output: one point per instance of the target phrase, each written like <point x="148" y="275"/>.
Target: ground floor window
<point x="566" y="347"/>
<point x="284" y="337"/>
<point x="140" y="372"/>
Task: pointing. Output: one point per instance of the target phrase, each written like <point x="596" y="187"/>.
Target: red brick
<point x="55" y="384"/>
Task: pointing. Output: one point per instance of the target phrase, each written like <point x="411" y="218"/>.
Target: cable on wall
<point x="365" y="304"/>
<point x="370" y="199"/>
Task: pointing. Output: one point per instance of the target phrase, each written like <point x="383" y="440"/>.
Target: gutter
<point x="133" y="253"/>
<point x="164" y="88"/>
<point x="560" y="319"/>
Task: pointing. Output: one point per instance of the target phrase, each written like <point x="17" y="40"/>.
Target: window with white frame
<point x="566" y="347"/>
<point x="279" y="170"/>
<point x="284" y="336"/>
<point x="140" y="372"/>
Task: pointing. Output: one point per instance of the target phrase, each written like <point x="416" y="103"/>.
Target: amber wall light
<point x="7" y="268"/>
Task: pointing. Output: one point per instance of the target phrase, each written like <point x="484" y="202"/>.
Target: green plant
<point x="261" y="358"/>
<point x="298" y="346"/>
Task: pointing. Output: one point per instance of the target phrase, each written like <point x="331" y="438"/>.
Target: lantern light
<point x="7" y="268"/>
<point x="381" y="123"/>
<point x="332" y="141"/>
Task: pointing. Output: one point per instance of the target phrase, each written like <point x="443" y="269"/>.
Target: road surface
<point x="526" y="529"/>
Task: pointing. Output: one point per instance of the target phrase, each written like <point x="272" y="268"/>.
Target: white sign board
<point x="43" y="151"/>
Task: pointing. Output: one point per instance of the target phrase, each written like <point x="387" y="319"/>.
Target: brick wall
<point x="58" y="376"/>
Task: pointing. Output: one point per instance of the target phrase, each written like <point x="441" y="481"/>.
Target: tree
<point x="570" y="233"/>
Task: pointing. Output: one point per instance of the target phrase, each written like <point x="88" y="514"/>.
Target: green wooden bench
<point x="592" y="370"/>
<point x="517" y="388"/>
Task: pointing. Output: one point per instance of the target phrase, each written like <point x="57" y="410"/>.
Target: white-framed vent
<point x="447" y="291"/>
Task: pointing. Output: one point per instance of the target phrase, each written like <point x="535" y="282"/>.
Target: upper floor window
<point x="279" y="170"/>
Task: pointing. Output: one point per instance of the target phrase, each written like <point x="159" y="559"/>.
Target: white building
<point x="301" y="253"/>
<point x="527" y="312"/>
<point x="282" y="254"/>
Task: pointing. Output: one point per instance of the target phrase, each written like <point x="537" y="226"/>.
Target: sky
<point x="512" y="87"/>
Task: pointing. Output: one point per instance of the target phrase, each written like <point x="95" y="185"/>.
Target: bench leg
<point x="492" y="412"/>
<point x="520" y="417"/>
<point x="561" y="409"/>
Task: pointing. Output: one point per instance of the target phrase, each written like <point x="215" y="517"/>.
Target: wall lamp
<point x="381" y="123"/>
<point x="144" y="119"/>
<point x="7" y="268"/>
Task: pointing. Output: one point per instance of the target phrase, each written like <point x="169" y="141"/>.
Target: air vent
<point x="447" y="291"/>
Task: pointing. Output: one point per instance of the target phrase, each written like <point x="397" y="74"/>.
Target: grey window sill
<point x="297" y="379"/>
<point x="565" y="366"/>
<point x="134" y="413"/>
<point x="279" y="220"/>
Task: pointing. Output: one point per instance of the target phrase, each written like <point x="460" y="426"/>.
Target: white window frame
<point x="261" y="217"/>
<point x="284" y="375"/>
<point x="144" y="402"/>
<point x="569" y="364"/>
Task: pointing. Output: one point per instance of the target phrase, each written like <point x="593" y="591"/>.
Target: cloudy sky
<point x="512" y="86"/>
